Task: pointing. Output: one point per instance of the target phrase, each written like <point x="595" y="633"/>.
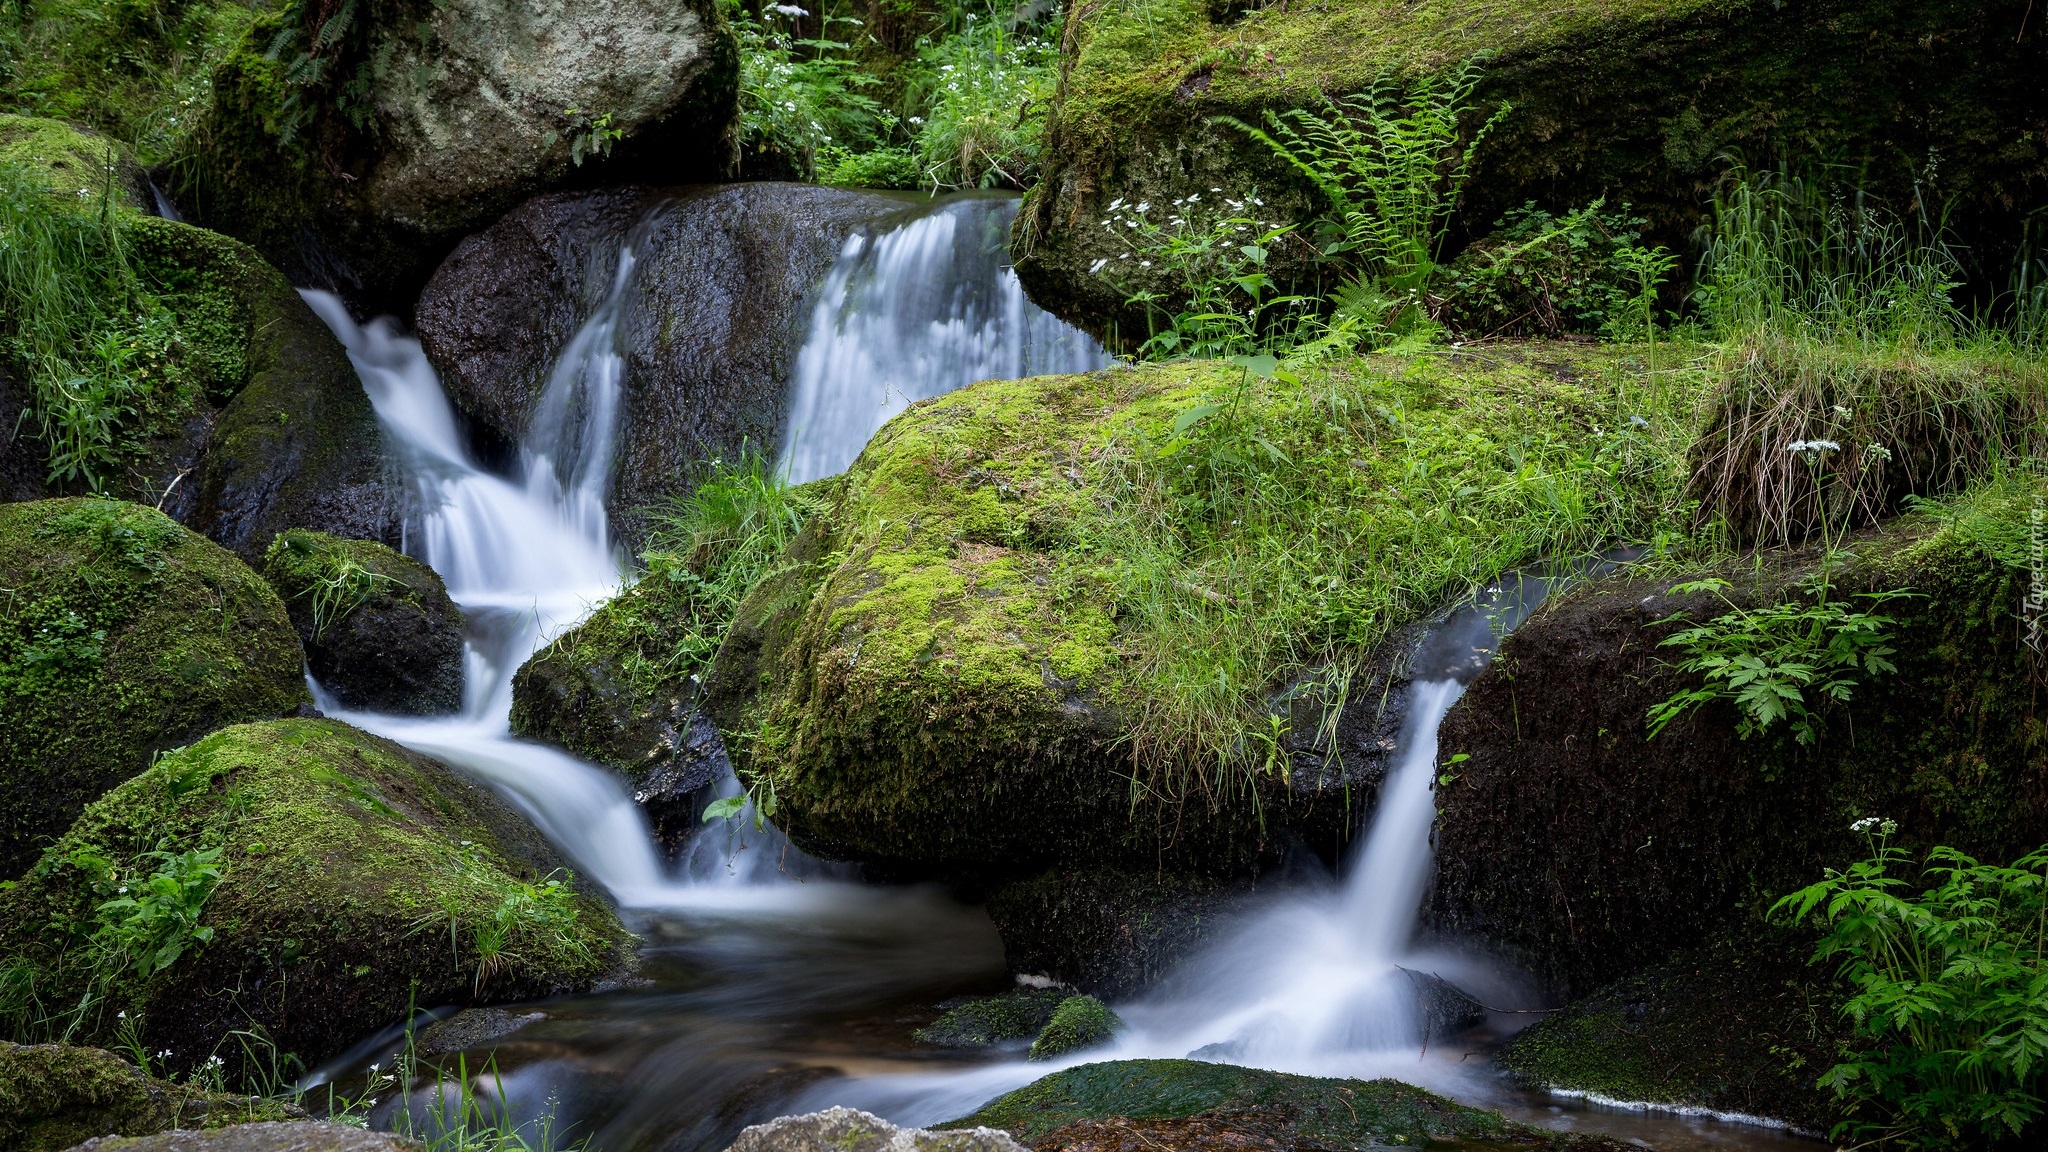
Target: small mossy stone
<point x="356" y="879"/>
<point x="122" y="635"/>
<point x="52" y="1096"/>
<point x="1295" y="1111"/>
<point x="379" y="630"/>
<point x="986" y="1020"/>
<point x="82" y="167"/>
<point x="1080" y="1022"/>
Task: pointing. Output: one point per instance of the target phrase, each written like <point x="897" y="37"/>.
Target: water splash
<point x="927" y="307"/>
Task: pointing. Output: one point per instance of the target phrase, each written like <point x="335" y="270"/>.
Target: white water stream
<point x="1313" y="982"/>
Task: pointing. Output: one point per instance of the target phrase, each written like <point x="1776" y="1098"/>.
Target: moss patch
<point x="987" y="1020"/>
<point x="121" y="634"/>
<point x="1079" y="1023"/>
<point x="1631" y="99"/>
<point x="1304" y="1111"/>
<point x="378" y="627"/>
<point x="356" y="880"/>
<point x="1039" y="616"/>
<point x="55" y="1096"/>
<point x="73" y="161"/>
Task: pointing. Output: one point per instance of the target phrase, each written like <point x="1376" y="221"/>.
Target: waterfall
<point x="915" y="312"/>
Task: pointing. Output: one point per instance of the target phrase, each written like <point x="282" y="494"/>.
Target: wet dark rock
<point x="709" y="336"/>
<point x="849" y="1130"/>
<point x="472" y="1028"/>
<point x="471" y="109"/>
<point x="1746" y="1024"/>
<point x="1446" y="1009"/>
<point x="984" y="1021"/>
<point x="1589" y="851"/>
<point x="129" y="635"/>
<point x="270" y="1136"/>
<point x="379" y="630"/>
<point x="54" y="1095"/>
<point x="1109" y="932"/>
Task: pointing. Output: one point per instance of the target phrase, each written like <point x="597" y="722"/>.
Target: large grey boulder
<point x="709" y="331"/>
<point x="428" y="122"/>
<point x="271" y="1136"/>
<point x="850" y="1130"/>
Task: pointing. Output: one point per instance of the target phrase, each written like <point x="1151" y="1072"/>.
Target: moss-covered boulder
<point x="984" y="1021"/>
<point x="1040" y="623"/>
<point x="423" y="123"/>
<point x="54" y="1096"/>
<point x="300" y="880"/>
<point x="122" y="635"/>
<point x="241" y="414"/>
<point x="1634" y="100"/>
<point x="1079" y="1023"/>
<point x="379" y="630"/>
<point x="1182" y="1103"/>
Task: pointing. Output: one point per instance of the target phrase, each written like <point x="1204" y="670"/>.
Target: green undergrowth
<point x="138" y="70"/>
<point x="328" y="578"/>
<point x="56" y="1097"/>
<point x="121" y="635"/>
<point x="326" y="877"/>
<point x="124" y="327"/>
<point x="1079" y="1023"/>
<point x="1303" y="1110"/>
<point x="1018" y="1014"/>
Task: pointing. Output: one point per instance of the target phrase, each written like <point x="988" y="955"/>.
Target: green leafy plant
<point x="589" y="135"/>
<point x="1951" y="991"/>
<point x="888" y="167"/>
<point x="758" y="798"/>
<point x="1215" y="253"/>
<point x="540" y="912"/>
<point x="799" y="96"/>
<point x="1391" y="163"/>
<point x="151" y="921"/>
<point x="1538" y="274"/>
<point x="982" y="95"/>
<point x="1768" y="659"/>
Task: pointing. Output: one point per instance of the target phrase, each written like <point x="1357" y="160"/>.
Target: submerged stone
<point x="331" y="879"/>
<point x="378" y="627"/>
<point x="123" y="636"/>
<point x="850" y="1130"/>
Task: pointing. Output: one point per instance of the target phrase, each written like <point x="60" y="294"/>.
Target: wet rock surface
<point x="272" y="1136"/>
<point x="379" y="630"/>
<point x="1109" y="932"/>
<point x="708" y="336"/>
<point x="850" y="1130"/>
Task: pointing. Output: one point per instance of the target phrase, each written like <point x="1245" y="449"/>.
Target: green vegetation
<point x="334" y="576"/>
<point x="1296" y="1111"/>
<point x="1079" y="1023"/>
<point x="953" y="98"/>
<point x="121" y="634"/>
<point x="1951" y="1000"/>
<point x="308" y="864"/>
<point x="138" y="70"/>
<point x="53" y="1098"/>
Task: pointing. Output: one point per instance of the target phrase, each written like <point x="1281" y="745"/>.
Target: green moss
<point x="1304" y="1110"/>
<point x="985" y="1020"/>
<point x="1631" y="99"/>
<point x="323" y="579"/>
<point x="55" y="1096"/>
<point x="139" y="70"/>
<point x="1041" y="623"/>
<point x="357" y="880"/>
<point x="71" y="160"/>
<point x="1079" y="1023"/>
<point x="121" y="635"/>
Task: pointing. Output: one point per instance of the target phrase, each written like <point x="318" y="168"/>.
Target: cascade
<point x="915" y="312"/>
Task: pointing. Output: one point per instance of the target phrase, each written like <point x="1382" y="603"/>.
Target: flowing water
<point x="761" y="993"/>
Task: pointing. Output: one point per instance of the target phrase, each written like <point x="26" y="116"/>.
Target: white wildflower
<point x="1878" y="452"/>
<point x="1097" y="266"/>
<point x="788" y="9"/>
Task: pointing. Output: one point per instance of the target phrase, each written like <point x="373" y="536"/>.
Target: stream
<point x="769" y="985"/>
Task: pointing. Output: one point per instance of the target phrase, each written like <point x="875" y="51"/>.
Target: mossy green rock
<point x="81" y="166"/>
<point x="121" y="634"/>
<point x="1634" y="100"/>
<point x="357" y="880"/>
<point x="53" y="1096"/>
<point x="1297" y="1111"/>
<point x="1079" y="1023"/>
<point x="983" y="1021"/>
<point x="379" y="629"/>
